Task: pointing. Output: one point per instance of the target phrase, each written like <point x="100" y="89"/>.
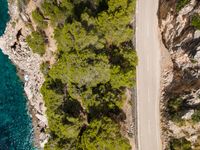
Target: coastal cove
<point x="16" y="132"/>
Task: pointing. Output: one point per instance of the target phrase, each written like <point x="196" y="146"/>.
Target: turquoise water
<point x="15" y="124"/>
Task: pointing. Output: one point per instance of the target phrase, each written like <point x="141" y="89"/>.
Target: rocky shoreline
<point x="14" y="45"/>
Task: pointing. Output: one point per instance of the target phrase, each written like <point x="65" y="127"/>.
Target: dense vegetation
<point x="180" y="144"/>
<point x="85" y="89"/>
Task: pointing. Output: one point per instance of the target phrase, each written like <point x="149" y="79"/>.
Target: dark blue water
<point x="15" y="123"/>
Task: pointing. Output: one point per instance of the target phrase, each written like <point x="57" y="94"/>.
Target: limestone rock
<point x="21" y="55"/>
<point x="197" y="34"/>
<point x="183" y="80"/>
<point x="188" y="115"/>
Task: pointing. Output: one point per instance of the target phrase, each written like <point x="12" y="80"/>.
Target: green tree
<point x="96" y="62"/>
<point x="84" y="69"/>
<point x="176" y="109"/>
<point x="123" y="69"/>
<point x="75" y="37"/>
<point x="65" y="117"/>
<point x="103" y="134"/>
<point x="36" y="42"/>
<point x="103" y="97"/>
<point x="57" y="13"/>
<point x="39" y="19"/>
<point x="115" y="24"/>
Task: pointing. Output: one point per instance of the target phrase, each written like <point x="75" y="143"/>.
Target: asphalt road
<point x="148" y="75"/>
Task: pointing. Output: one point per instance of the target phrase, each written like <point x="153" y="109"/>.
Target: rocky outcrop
<point x="182" y="79"/>
<point x="14" y="45"/>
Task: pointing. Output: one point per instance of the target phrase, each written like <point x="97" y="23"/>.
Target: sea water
<point x="15" y="124"/>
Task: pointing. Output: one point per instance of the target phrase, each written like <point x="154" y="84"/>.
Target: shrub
<point x="196" y="116"/>
<point x="176" y="109"/>
<point x="45" y="68"/>
<point x="196" y="21"/>
<point x="39" y="19"/>
<point x="180" y="144"/>
<point x="36" y="42"/>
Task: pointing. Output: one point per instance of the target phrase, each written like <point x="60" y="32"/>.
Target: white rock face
<point x="197" y="34"/>
<point x="194" y="97"/>
<point x="188" y="115"/>
<point x="183" y="80"/>
<point x="188" y="8"/>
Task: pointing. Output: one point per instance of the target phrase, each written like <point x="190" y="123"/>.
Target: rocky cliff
<point x="14" y="45"/>
<point x="178" y="21"/>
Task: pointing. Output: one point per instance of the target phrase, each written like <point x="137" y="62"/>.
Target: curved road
<point x="148" y="75"/>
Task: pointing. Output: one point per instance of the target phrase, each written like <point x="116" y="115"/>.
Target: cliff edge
<point x="180" y="33"/>
<point x="14" y="45"/>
